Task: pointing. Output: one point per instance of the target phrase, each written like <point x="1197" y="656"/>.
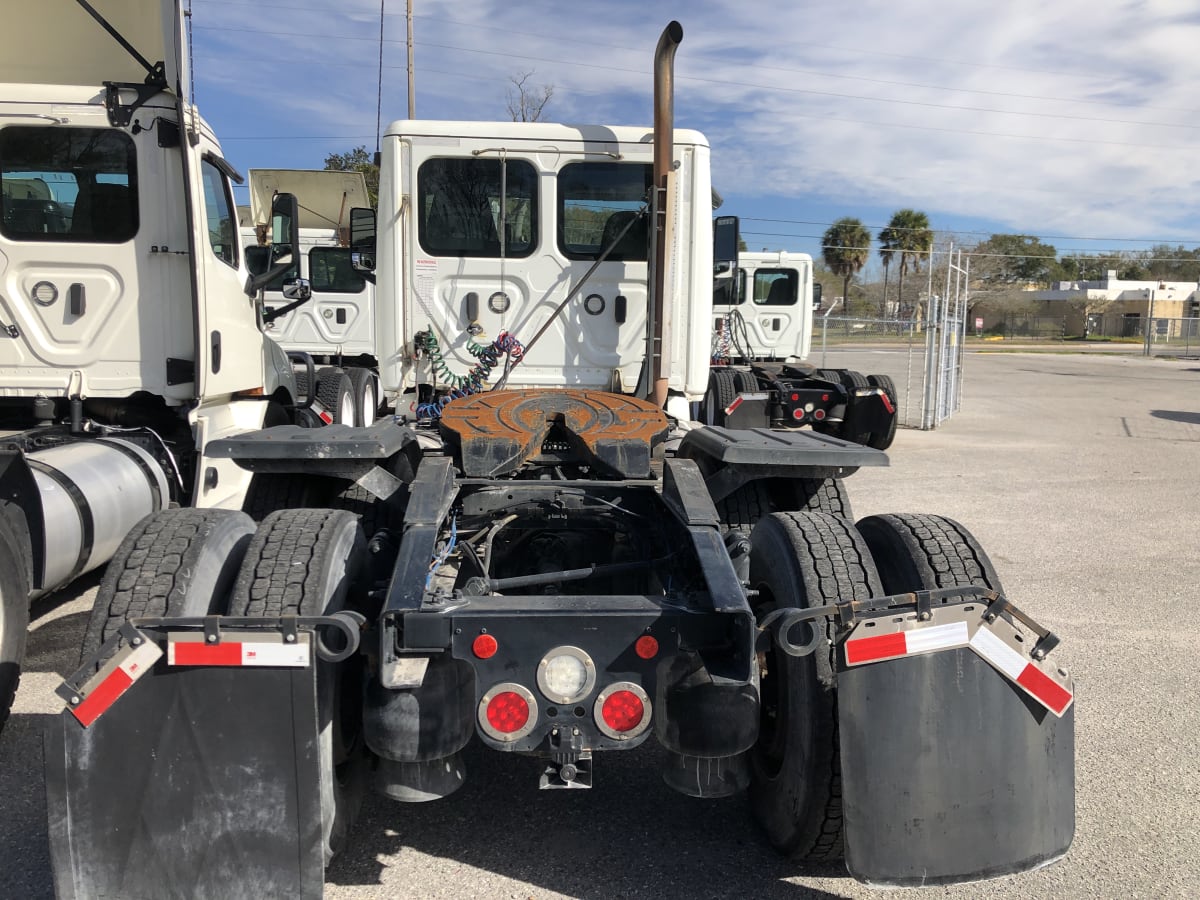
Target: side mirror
<point x="725" y="240"/>
<point x="297" y="289"/>
<point x="362" y="230"/>
<point x="258" y="259"/>
<point x="816" y="295"/>
<point x="285" y="242"/>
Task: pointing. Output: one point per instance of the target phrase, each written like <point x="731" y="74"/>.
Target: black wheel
<point x="722" y="389"/>
<point x="919" y="552"/>
<point x="831" y="375"/>
<point x="271" y="491"/>
<point x="800" y="560"/>
<point x="745" y="382"/>
<point x="742" y="509"/>
<point x="881" y="440"/>
<point x="14" y="609"/>
<point x="310" y="562"/>
<point x="335" y="396"/>
<point x="366" y="396"/>
<point x="178" y="562"/>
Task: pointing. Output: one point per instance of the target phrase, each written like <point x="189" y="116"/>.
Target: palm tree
<point x="910" y="235"/>
<point x="845" y="248"/>
<point x="888" y="245"/>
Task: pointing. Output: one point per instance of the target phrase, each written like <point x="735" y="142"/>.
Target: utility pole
<point x="1149" y="322"/>
<point x="412" y="94"/>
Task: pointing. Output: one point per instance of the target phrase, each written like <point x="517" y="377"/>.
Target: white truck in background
<point x="130" y="329"/>
<point x="336" y="327"/>
<point x="762" y="318"/>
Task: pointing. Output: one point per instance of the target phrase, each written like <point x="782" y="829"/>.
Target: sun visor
<point x="62" y="43"/>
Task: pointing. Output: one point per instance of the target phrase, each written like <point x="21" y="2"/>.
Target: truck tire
<point x="309" y="562"/>
<point x="852" y="381"/>
<point x="722" y="389"/>
<point x="881" y="440"/>
<point x="920" y="552"/>
<point x="336" y="396"/>
<point x="800" y="560"/>
<point x="742" y="509"/>
<point x="366" y="396"/>
<point x="272" y="491"/>
<point x="14" y="612"/>
<point x="178" y="562"/>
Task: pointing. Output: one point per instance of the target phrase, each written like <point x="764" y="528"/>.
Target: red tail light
<point x="507" y="712"/>
<point x="622" y="710"/>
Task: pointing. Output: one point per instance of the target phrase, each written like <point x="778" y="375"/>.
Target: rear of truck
<point x="537" y="558"/>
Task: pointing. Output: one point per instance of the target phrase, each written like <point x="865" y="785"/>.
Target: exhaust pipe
<point x="664" y="142"/>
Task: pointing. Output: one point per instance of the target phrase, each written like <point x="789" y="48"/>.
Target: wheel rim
<point x="368" y="403"/>
<point x="346" y="409"/>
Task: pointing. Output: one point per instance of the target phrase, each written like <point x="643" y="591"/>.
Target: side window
<point x="67" y="184"/>
<point x="462" y="207"/>
<point x="776" y="287"/>
<point x="596" y="200"/>
<point x="330" y="271"/>
<point x="220" y="214"/>
<point x="260" y="258"/>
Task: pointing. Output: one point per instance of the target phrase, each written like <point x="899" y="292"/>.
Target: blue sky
<point x="1074" y="121"/>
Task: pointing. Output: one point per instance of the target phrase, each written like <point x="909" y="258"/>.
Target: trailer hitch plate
<point x="496" y="432"/>
<point x="957" y="746"/>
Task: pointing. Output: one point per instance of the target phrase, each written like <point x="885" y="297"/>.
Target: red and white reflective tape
<point x="879" y="647"/>
<point x="135" y="663"/>
<point x="742" y="398"/>
<point x="236" y="653"/>
<point x="1024" y="673"/>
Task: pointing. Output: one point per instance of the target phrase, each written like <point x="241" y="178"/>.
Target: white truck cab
<point x="767" y="302"/>
<point x="485" y="229"/>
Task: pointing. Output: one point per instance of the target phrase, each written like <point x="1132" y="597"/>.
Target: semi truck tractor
<point x="130" y="330"/>
<point x="763" y="307"/>
<point x="336" y="326"/>
<point x="543" y="561"/>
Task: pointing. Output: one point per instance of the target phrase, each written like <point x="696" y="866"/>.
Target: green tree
<point x="845" y="247"/>
<point x="911" y="239"/>
<point x="357" y="160"/>
<point x="1005" y="260"/>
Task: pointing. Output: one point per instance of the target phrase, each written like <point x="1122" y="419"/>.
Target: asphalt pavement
<point x="1078" y="473"/>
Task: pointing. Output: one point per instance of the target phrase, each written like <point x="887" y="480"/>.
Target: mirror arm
<point x="283" y="310"/>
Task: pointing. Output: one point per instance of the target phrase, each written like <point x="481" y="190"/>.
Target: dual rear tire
<point x="808" y="559"/>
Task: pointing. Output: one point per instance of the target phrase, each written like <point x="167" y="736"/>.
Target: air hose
<point x="488" y="356"/>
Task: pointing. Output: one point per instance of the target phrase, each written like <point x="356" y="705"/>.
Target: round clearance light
<point x="566" y="674"/>
<point x="623" y="710"/>
<point x="484" y="646"/>
<point x="44" y="293"/>
<point x="646" y="646"/>
<point x="507" y="712"/>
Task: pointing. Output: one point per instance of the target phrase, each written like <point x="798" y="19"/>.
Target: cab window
<point x="776" y="287"/>
<point x="220" y="214"/>
<point x="459" y="207"/>
<point x="730" y="290"/>
<point x="596" y="200"/>
<point x="67" y="184"/>
<point x="331" y="272"/>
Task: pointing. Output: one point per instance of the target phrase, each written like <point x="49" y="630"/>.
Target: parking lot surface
<point x="1080" y="474"/>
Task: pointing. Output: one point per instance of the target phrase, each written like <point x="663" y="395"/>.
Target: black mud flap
<point x="957" y="746"/>
<point x="194" y="782"/>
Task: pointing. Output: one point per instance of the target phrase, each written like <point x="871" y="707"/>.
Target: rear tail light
<point x="507" y="712"/>
<point x="622" y="710"/>
<point x="566" y="674"/>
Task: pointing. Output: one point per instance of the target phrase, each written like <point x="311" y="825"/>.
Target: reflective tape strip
<point x="237" y="653"/>
<point x="1021" y="671"/>
<point x="137" y="662"/>
<point x="906" y="643"/>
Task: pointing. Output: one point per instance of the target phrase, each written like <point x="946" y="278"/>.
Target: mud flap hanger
<point x="103" y="683"/>
<point x="847" y="613"/>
